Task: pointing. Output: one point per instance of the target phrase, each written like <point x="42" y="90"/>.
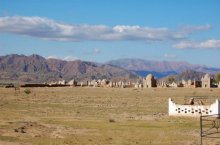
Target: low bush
<point x="27" y="91"/>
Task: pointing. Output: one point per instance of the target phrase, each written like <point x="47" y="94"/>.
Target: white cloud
<point x="48" y="29"/>
<point x="170" y="56"/>
<point x="96" y="51"/>
<point x="52" y="57"/>
<point x="70" y="58"/>
<point x="191" y="29"/>
<point x="66" y="58"/>
<point x="207" y="44"/>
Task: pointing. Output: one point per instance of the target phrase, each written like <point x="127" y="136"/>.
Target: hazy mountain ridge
<point x="189" y="75"/>
<point x="37" y="69"/>
<point x="186" y="75"/>
<point x="160" y="68"/>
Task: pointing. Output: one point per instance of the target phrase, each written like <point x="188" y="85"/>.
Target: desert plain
<point x="98" y="116"/>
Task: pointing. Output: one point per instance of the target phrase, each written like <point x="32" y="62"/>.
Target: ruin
<point x="62" y="82"/>
<point x="192" y="109"/>
<point x="72" y="83"/>
<point x="191" y="84"/>
<point x="207" y="81"/>
<point x="173" y="84"/>
<point x="162" y="84"/>
<point x="149" y="82"/>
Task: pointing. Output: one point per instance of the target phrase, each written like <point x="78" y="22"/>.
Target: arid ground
<point x="97" y="116"/>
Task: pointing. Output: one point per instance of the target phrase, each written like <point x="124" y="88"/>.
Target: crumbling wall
<point x="193" y="110"/>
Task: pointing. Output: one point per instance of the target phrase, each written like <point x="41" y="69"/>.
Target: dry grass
<point x="104" y="116"/>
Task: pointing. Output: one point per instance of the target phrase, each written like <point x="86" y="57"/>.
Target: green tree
<point x="218" y="78"/>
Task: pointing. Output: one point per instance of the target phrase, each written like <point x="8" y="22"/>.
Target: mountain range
<point x="186" y="75"/>
<point x="160" y="68"/>
<point x="37" y="69"/>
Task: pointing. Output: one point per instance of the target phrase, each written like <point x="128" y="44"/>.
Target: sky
<point x="104" y="30"/>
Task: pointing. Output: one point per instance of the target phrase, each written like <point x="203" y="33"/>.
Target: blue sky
<point x="103" y="30"/>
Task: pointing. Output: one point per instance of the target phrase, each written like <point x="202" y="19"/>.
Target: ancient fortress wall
<point x="193" y="110"/>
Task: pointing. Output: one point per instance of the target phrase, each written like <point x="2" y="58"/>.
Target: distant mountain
<point x="144" y="73"/>
<point x="160" y="68"/>
<point x="37" y="69"/>
<point x="189" y="75"/>
<point x="186" y="75"/>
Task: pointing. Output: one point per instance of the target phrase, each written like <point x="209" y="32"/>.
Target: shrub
<point x="27" y="91"/>
<point x="111" y="120"/>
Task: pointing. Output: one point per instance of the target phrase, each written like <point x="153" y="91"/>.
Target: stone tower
<point x="207" y="81"/>
<point x="149" y="82"/>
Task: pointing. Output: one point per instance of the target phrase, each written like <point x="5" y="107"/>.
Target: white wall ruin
<point x="193" y="110"/>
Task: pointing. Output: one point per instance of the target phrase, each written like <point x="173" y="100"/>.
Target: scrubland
<point x="97" y="116"/>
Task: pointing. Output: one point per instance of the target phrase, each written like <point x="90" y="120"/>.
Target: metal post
<point x="201" y="129"/>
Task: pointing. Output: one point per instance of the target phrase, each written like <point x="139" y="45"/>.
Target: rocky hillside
<point x="36" y="69"/>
